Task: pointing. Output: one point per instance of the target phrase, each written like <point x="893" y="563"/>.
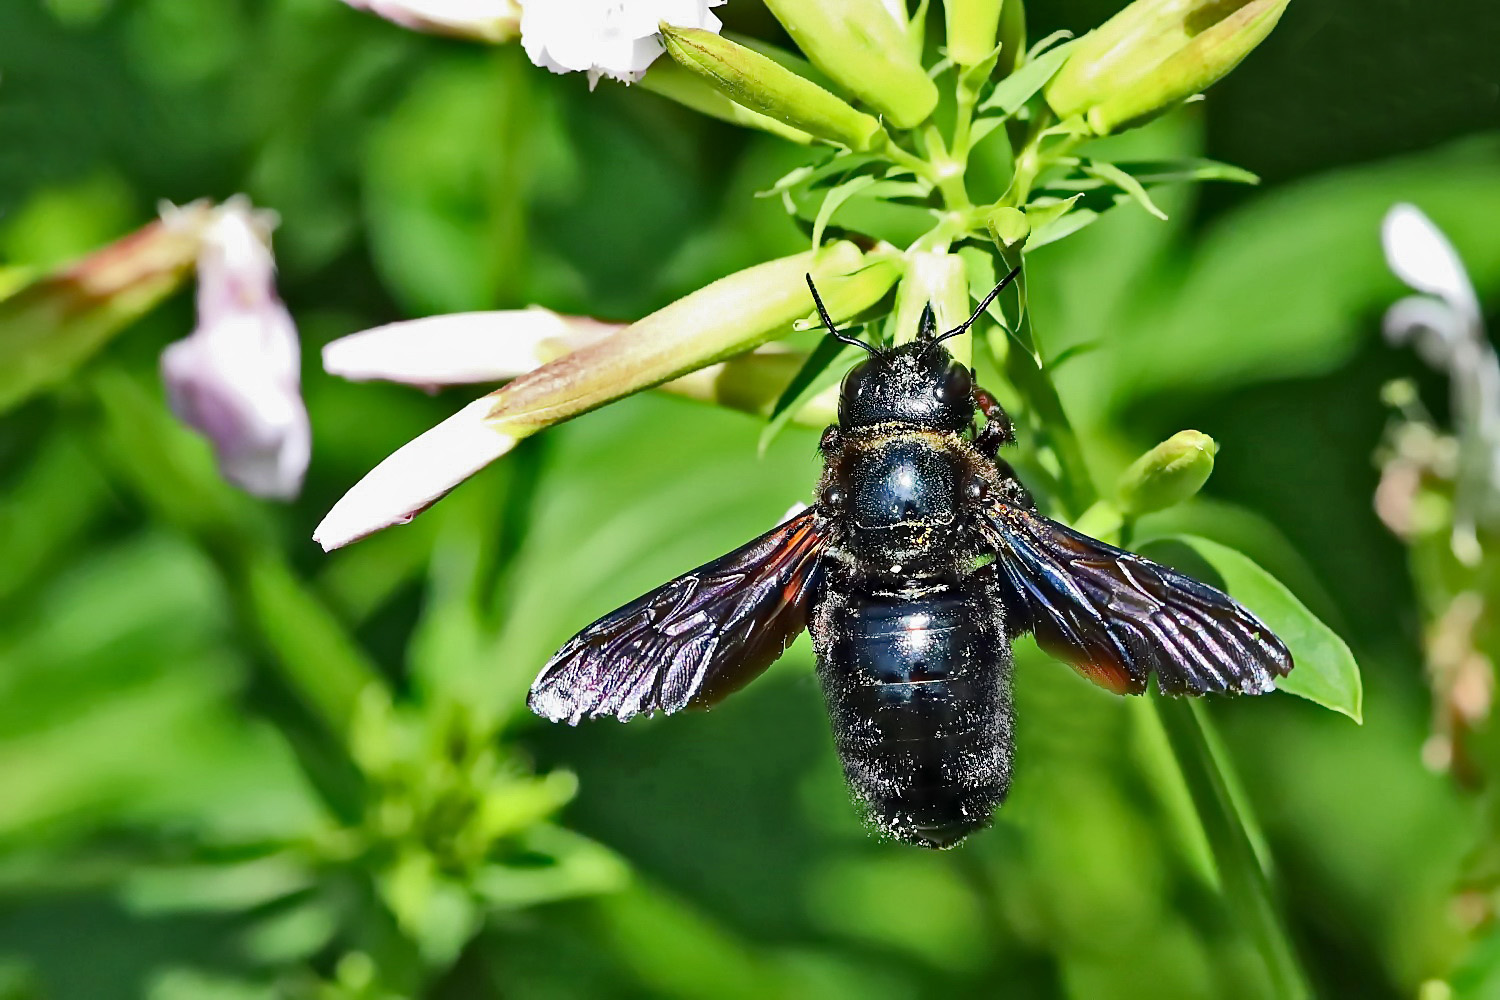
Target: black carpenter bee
<point x="921" y="559"/>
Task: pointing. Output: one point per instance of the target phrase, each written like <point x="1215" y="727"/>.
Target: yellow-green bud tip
<point x="1008" y="226"/>
<point x="1168" y="474"/>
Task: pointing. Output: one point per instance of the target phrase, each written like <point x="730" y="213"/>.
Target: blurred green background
<point x="174" y="825"/>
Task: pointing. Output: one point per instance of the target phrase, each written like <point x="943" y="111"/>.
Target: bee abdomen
<point x="918" y="691"/>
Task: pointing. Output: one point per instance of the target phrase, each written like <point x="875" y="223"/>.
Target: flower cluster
<point x="859" y="87"/>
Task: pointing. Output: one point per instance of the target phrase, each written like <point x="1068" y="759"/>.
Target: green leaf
<point x="842" y="161"/>
<point x="1054" y="219"/>
<point x="1018" y="88"/>
<point x="871" y="190"/>
<point x="1324" y="671"/>
<point x="1188" y="169"/>
<point x="1122" y="180"/>
<point x="872" y="210"/>
<point x="831" y="202"/>
<point x="980" y="267"/>
<point x="824" y="367"/>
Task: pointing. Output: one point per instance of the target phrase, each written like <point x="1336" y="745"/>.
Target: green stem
<point x="901" y="157"/>
<point x="1228" y="831"/>
<point x="947" y="170"/>
<point x="313" y="657"/>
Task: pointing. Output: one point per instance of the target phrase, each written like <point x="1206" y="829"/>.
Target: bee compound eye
<point x="956" y="387"/>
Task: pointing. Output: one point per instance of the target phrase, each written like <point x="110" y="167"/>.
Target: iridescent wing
<point x="694" y="640"/>
<point x="1119" y="617"/>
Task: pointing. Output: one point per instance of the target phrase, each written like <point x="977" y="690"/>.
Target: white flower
<point x="1447" y="328"/>
<point x="484" y="20"/>
<point x="613" y="38"/>
<point x="416" y="475"/>
<point x="237" y="378"/>
<point x="462" y="348"/>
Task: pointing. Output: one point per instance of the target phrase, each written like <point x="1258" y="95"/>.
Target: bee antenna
<point x="828" y="322"/>
<point x="985" y="304"/>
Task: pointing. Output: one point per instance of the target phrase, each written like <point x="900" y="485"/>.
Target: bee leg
<point x="997" y="430"/>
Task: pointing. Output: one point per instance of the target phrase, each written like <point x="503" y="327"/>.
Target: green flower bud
<point x="676" y="83"/>
<point x="1168" y="474"/>
<point x="1155" y="54"/>
<point x="935" y="278"/>
<point x="753" y="383"/>
<point x="1008" y="226"/>
<point x="847" y="296"/>
<point x="753" y="81"/>
<point x="862" y="46"/>
<point x="971" y="27"/>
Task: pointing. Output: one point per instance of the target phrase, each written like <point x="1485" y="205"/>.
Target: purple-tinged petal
<point x="237" y="378"/>
<point x="481" y="20"/>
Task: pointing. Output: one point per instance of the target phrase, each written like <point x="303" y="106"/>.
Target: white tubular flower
<point x="237" y="378"/>
<point x="613" y="38"/>
<point x="462" y="348"/>
<point x="416" y="476"/>
<point x="481" y="20"/>
<point x="1447" y="329"/>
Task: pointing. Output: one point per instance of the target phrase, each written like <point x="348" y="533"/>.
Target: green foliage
<point x="233" y="768"/>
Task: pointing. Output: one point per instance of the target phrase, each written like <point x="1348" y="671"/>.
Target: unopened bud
<point x="677" y="83"/>
<point x="756" y="82"/>
<point x="1008" y="226"/>
<point x="1155" y="54"/>
<point x="971" y="27"/>
<point x="937" y="279"/>
<point x="862" y="46"/>
<point x="849" y="295"/>
<point x="1168" y="474"/>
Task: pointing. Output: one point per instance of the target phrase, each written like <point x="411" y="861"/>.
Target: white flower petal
<point x="415" y="476"/>
<point x="1420" y="255"/>
<point x="613" y="38"/>
<point x="462" y="348"/>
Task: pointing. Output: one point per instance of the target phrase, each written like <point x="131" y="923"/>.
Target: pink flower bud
<point x="237" y="378"/>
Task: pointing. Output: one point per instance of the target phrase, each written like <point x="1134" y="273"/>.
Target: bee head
<point x="918" y="384"/>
